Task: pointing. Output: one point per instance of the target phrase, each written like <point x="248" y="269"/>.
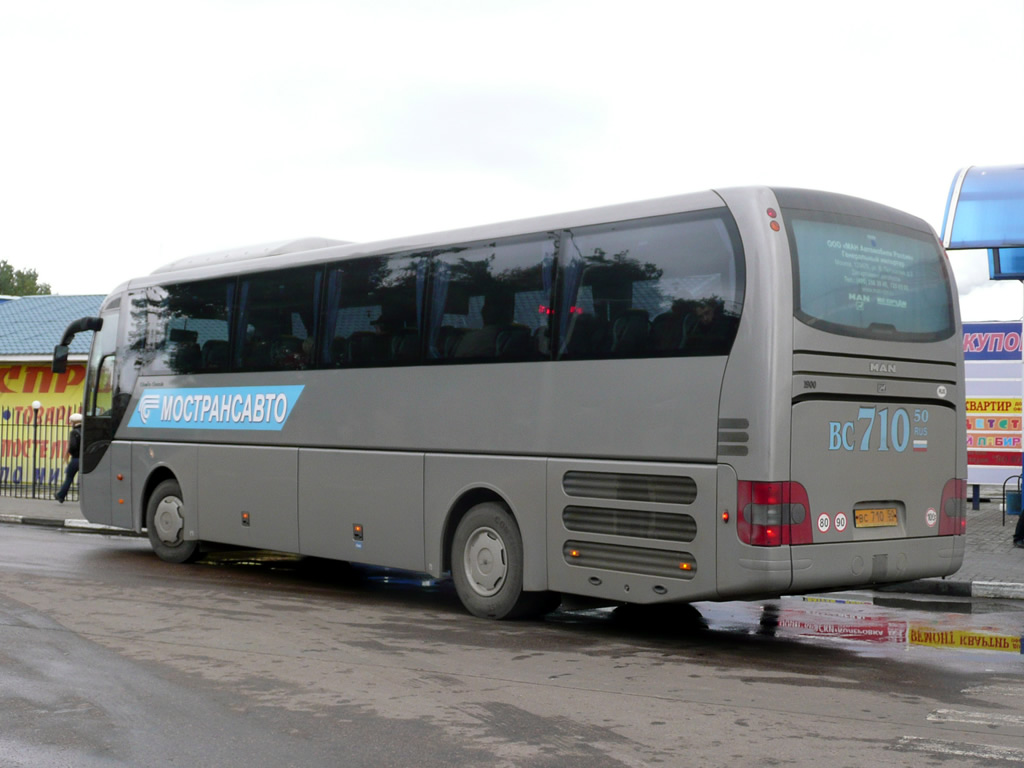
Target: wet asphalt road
<point x="109" y="657"/>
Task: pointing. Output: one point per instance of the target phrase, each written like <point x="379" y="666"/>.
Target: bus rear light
<point x="773" y="514"/>
<point x="953" y="508"/>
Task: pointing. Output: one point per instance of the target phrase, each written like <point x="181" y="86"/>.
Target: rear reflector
<point x="953" y="518"/>
<point x="773" y="514"/>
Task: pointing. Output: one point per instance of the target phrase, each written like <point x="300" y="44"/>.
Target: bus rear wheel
<point x="165" y="524"/>
<point x="487" y="566"/>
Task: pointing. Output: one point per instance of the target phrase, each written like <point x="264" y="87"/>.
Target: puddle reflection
<point x="864" y="622"/>
<point x="880" y="622"/>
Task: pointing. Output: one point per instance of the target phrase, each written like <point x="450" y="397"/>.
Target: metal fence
<point x="33" y="454"/>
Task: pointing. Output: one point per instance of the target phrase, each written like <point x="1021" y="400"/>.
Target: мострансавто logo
<point x="265" y="408"/>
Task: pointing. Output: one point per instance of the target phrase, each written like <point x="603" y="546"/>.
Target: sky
<point x="136" y="133"/>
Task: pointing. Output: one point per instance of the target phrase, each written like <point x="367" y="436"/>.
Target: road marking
<point x="975" y="718"/>
<point x="994" y="690"/>
<point x="959" y="749"/>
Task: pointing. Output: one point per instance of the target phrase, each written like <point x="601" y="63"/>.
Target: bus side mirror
<point x="60" y="359"/>
<point x="60" y="352"/>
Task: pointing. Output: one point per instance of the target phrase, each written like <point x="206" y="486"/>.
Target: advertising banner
<point x="992" y="361"/>
<point x="33" y="446"/>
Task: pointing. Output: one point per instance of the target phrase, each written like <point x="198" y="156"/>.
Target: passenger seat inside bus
<point x="215" y="355"/>
<point x="338" y="352"/>
<point x="286" y="353"/>
<point x="405" y="346"/>
<point x="513" y="342"/>
<point x="629" y="333"/>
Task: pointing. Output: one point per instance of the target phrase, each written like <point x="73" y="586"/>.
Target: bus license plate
<point x="875" y="518"/>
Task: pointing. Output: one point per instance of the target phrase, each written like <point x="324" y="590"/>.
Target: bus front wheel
<point x="487" y="566"/>
<point x="165" y="524"/>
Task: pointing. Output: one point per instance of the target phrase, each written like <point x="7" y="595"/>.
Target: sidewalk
<point x="992" y="567"/>
<point x="48" y="512"/>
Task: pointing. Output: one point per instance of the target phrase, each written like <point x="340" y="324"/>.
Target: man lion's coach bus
<point x="729" y="394"/>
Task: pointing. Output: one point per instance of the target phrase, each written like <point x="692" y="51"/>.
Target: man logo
<point x="148" y="404"/>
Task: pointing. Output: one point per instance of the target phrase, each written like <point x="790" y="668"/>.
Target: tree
<point x="21" y="282"/>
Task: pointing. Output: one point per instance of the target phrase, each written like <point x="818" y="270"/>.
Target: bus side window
<point x="101" y="395"/>
<point x="278" y="312"/>
<point x="662" y="287"/>
<point x="492" y="301"/>
<point x="372" y="311"/>
<point x="183" y="319"/>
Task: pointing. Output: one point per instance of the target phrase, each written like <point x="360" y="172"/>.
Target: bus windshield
<point x="867" y="278"/>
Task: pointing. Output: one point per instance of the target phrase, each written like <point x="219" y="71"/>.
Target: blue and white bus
<point x="729" y="394"/>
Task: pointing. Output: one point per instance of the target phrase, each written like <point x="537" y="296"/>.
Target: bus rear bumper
<point x="889" y="560"/>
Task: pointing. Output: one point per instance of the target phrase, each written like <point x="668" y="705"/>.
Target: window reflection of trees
<point x="651" y="289"/>
<point x="636" y="289"/>
<point x="374" y="309"/>
<point x="492" y="301"/>
<point x="183" y="317"/>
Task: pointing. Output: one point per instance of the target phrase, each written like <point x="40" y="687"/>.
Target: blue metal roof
<point x="32" y="325"/>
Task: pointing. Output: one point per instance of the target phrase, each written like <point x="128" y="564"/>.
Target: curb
<point x="999" y="590"/>
<point x="74" y="524"/>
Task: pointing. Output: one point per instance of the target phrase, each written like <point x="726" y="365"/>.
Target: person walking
<point x="74" y="448"/>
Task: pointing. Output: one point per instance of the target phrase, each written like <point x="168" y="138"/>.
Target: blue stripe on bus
<point x="262" y="408"/>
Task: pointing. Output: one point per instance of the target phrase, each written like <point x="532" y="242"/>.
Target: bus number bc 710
<point x="880" y="432"/>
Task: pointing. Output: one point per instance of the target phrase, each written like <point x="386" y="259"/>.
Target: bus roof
<point x="313" y="249"/>
<point x="249" y="252"/>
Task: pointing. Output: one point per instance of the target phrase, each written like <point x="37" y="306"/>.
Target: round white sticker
<point x="840" y="522"/>
<point x="931" y="517"/>
<point x="824" y="523"/>
<point x="941" y="391"/>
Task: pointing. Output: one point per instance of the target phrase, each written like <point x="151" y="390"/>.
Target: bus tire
<point x="487" y="566"/>
<point x="165" y="525"/>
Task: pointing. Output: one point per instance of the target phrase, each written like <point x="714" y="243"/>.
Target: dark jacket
<point x="75" y="441"/>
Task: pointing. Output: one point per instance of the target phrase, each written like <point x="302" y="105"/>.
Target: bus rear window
<point x="867" y="278"/>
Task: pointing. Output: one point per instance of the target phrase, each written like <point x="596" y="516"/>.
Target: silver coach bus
<point x="729" y="394"/>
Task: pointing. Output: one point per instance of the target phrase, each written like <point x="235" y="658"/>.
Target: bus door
<point x="98" y="426"/>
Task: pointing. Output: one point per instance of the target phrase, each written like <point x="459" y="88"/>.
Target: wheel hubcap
<point x="168" y="520"/>
<point x="485" y="562"/>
